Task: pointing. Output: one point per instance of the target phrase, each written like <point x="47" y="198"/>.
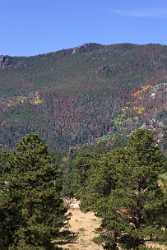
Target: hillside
<point x="81" y="95"/>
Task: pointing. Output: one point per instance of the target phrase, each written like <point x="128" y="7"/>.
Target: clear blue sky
<point x="29" y="27"/>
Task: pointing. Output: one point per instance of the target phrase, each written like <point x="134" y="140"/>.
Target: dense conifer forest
<point x="83" y="125"/>
<point x="83" y="95"/>
<point x="125" y="186"/>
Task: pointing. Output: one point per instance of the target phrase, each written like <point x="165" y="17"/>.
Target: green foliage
<point x="4" y="162"/>
<point x="30" y="198"/>
<point x="123" y="188"/>
<point x="78" y="172"/>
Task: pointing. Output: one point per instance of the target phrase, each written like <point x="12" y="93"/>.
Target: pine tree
<point x="35" y="181"/>
<point x="136" y="210"/>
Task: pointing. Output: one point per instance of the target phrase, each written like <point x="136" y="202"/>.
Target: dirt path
<point x="156" y="246"/>
<point x="84" y="226"/>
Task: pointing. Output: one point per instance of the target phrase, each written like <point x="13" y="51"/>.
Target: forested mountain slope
<point x="83" y="95"/>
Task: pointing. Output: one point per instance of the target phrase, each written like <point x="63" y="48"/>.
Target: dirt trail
<point x="84" y="226"/>
<point x="153" y="245"/>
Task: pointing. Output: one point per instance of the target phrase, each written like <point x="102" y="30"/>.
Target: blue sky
<point x="29" y="27"/>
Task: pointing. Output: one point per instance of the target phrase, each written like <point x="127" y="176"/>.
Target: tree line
<point x="126" y="186"/>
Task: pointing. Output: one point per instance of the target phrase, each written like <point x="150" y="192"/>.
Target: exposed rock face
<point x="87" y="47"/>
<point x="4" y="61"/>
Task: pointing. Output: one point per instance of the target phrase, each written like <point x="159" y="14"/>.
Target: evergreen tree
<point x="79" y="170"/>
<point x="136" y="210"/>
<point x="123" y="187"/>
<point x="9" y="204"/>
<point x="100" y="182"/>
<point x="35" y="181"/>
<point x="4" y="162"/>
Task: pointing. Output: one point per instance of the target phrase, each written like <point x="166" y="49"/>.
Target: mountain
<point x="84" y="94"/>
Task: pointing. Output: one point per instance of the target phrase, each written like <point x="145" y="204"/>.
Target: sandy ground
<point x="84" y="225"/>
<point x="156" y="246"/>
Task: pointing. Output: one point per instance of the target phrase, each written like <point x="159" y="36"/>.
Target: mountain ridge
<point x="74" y="96"/>
<point x="119" y="44"/>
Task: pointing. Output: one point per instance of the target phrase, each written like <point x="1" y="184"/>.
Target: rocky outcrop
<point x="4" y="62"/>
<point x="87" y="47"/>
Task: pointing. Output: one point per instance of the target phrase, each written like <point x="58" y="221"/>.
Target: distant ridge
<point x="88" y="45"/>
<point x="75" y="96"/>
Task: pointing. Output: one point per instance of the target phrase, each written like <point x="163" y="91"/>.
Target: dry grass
<point x="153" y="245"/>
<point x="83" y="225"/>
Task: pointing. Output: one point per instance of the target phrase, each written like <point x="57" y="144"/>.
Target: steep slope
<point x="75" y="96"/>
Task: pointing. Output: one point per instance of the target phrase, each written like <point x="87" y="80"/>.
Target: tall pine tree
<point x="136" y="210"/>
<point x="33" y="191"/>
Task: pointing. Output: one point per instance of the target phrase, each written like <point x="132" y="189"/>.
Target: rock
<point x="87" y="47"/>
<point x="4" y="61"/>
